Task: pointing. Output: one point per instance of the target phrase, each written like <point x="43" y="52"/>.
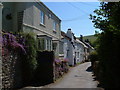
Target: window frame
<point x="41" y="43"/>
<point x="42" y="18"/>
<point x="54" y="25"/>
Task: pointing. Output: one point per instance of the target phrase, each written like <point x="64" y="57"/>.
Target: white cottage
<point x="71" y="48"/>
<point x="68" y="46"/>
<point x="80" y="51"/>
<point x="65" y="39"/>
<point x="74" y="50"/>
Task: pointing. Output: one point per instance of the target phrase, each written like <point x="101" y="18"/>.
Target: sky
<point x="75" y="15"/>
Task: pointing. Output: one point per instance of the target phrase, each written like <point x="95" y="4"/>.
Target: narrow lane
<point x="78" y="77"/>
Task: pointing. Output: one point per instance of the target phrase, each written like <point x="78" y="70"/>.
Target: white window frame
<point x="54" y="25"/>
<point x="42" y="18"/>
<point x="48" y="45"/>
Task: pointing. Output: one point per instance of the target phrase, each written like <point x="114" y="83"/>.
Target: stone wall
<point x="1" y="6"/>
<point x="11" y="69"/>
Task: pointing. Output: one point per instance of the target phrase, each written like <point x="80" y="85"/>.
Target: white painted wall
<point x="76" y="53"/>
<point x="71" y="54"/>
<point x="81" y="48"/>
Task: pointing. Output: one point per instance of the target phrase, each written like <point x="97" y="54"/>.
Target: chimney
<point x="81" y="38"/>
<point x="69" y="29"/>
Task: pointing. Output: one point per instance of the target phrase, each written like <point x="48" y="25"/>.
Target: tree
<point x="107" y="19"/>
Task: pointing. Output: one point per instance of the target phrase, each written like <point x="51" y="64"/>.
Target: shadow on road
<point x="89" y="69"/>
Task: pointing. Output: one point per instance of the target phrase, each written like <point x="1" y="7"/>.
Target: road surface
<point x="78" y="77"/>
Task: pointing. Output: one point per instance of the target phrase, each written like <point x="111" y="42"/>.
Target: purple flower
<point x="9" y="39"/>
<point x="57" y="60"/>
<point x="65" y="60"/>
<point x="17" y="45"/>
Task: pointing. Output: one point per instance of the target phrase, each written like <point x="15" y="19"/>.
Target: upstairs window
<point x="54" y="26"/>
<point x="42" y="17"/>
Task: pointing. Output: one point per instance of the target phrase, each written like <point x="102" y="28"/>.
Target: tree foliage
<point x="29" y="60"/>
<point x="107" y="19"/>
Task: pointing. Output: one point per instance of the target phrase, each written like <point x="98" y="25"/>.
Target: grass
<point x="91" y="38"/>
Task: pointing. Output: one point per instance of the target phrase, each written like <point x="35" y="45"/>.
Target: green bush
<point x="108" y="48"/>
<point x="29" y="60"/>
<point x="93" y="57"/>
<point x="109" y="59"/>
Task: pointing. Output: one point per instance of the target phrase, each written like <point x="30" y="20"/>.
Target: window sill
<point x="42" y="25"/>
<point x="54" y="31"/>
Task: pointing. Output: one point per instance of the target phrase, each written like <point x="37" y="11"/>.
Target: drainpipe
<point x="1" y="6"/>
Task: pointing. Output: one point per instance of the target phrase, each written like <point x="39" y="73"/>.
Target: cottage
<point x="68" y="46"/>
<point x="75" y="50"/>
<point x="87" y="48"/>
<point x="80" y="51"/>
<point x="65" y="39"/>
<point x="33" y="17"/>
<point x="90" y="48"/>
<point x="71" y="48"/>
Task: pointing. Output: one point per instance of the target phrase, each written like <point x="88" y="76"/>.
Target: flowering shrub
<point x="61" y="67"/>
<point x="10" y="41"/>
<point x="29" y="59"/>
<point x="57" y="61"/>
<point x="18" y="48"/>
<point x="10" y="58"/>
<point x="65" y="60"/>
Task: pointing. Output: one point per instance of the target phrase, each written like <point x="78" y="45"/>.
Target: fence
<point x="44" y="72"/>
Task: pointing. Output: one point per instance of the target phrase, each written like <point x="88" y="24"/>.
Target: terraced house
<point x="33" y="17"/>
<point x="75" y="50"/>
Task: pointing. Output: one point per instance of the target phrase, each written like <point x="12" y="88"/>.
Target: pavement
<point x="79" y="76"/>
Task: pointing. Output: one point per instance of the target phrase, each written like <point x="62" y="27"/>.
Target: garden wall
<point x="11" y="69"/>
<point x="23" y="65"/>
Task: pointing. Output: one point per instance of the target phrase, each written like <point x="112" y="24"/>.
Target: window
<point x="42" y="17"/>
<point x="47" y="44"/>
<point x="50" y="45"/>
<point x="44" y="43"/>
<point x="54" y="25"/>
<point x="54" y="46"/>
<point x="41" y="44"/>
<point x="49" y="15"/>
<point x="78" y="55"/>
